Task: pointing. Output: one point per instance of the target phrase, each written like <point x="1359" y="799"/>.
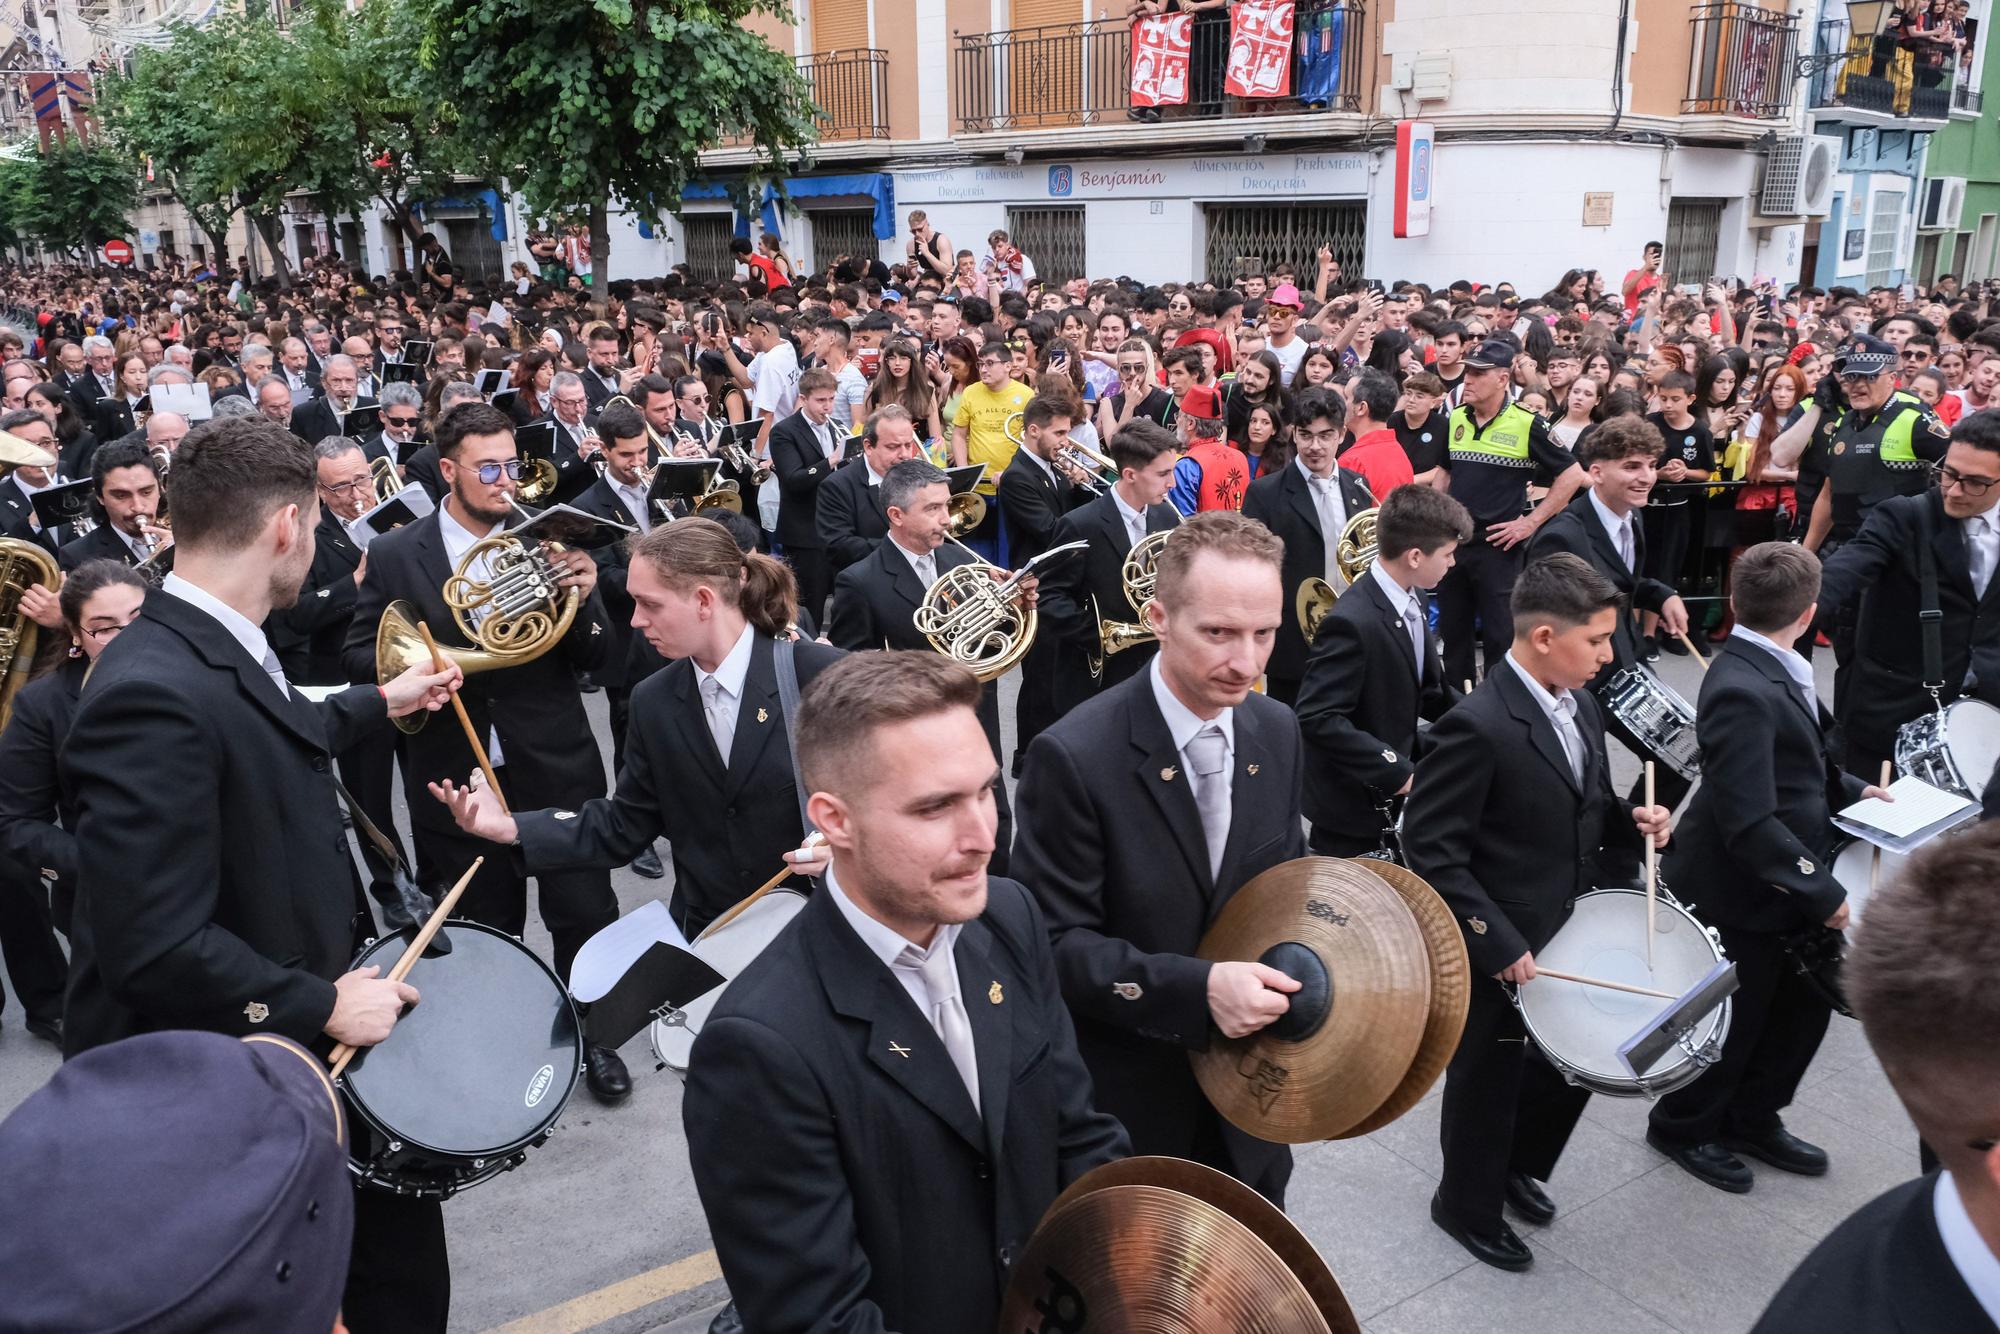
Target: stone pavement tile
<point x="1693" y="1256"/>
<point x="1368" y="1212"/>
<point x="1862" y="1167"/>
<point x="1554" y="1297"/>
<point x="1860" y="1097"/>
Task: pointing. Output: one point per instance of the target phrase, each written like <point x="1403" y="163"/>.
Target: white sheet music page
<point x="1918" y="814"/>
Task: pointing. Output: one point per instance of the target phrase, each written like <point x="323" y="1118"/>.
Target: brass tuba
<point x="1352" y="555"/>
<point x="1139" y="576"/>
<point x="22" y="565"/>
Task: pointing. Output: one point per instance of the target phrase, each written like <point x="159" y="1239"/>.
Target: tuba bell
<point x="1352" y="555"/>
<point x="22" y="565"/>
<point x="384" y="479"/>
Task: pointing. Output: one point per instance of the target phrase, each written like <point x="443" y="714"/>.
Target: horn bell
<point x="399" y="646"/>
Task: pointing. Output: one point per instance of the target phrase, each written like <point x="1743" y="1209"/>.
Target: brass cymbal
<point x="18" y="453"/>
<point x="1451" y="991"/>
<point x="1354" y="1028"/>
<point x="1241" y="1203"/>
<point x="1150" y="1260"/>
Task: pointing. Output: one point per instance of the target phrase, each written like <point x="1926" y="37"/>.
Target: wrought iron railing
<point x="1081" y="73"/>
<point x="1740" y="63"/>
<point x="1878" y="75"/>
<point x="851" y="90"/>
<point x="1966" y="98"/>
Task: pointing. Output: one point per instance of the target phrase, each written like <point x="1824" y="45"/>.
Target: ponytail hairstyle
<point x="698" y="550"/>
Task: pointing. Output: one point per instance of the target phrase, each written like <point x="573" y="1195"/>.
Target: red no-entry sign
<point x="118" y="252"/>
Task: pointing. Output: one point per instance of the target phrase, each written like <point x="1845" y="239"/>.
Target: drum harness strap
<point x="783" y="661"/>
<point x="1930" y="622"/>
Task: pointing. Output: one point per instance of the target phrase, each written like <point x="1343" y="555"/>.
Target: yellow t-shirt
<point x="984" y="413"/>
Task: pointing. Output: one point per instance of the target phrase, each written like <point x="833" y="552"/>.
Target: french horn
<point x="1139" y="575"/>
<point x="975" y="619"/>
<point x="1352" y="555"/>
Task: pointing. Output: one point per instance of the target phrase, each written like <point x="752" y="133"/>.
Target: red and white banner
<point x="1260" y="49"/>
<point x="1160" y="47"/>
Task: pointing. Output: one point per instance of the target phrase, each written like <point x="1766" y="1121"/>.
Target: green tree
<point x="580" y="102"/>
<point x="71" y="197"/>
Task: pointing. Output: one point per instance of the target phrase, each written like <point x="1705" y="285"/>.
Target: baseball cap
<point x="1286" y="295"/>
<point x="891" y="294"/>
<point x="1495" y="354"/>
<point x="1864" y="354"/>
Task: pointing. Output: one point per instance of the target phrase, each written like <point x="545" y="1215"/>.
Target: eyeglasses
<point x="1972" y="486"/>
<point x="489" y="473"/>
<point x="1917" y="355"/>
<point x="100" y="633"/>
<point x="346" y="488"/>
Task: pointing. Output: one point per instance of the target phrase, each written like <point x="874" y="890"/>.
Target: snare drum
<point x="1954" y="748"/>
<point x="1580" y="1028"/>
<point x="1853" y="860"/>
<point x="471" y="1078"/>
<point x="728" y="949"/>
<point x="1658" y="718"/>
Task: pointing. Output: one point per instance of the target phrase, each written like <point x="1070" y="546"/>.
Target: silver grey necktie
<point x="1414" y="623"/>
<point x="1208" y="756"/>
<point x="948" y="1017"/>
<point x="718" y="720"/>
<point x="276" y="671"/>
<point x="1569" y="735"/>
<point x="1979" y="553"/>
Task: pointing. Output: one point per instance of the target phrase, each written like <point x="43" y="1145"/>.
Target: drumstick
<point x="465" y="721"/>
<point x="812" y="840"/>
<point x="342" y="1054"/>
<point x="1693" y="652"/>
<point x="1602" y="982"/>
<point x="1652" y="874"/>
<point x="1875" y="850"/>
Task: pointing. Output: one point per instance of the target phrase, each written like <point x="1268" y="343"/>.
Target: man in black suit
<point x="1083" y="593"/>
<point x="1374" y="673"/>
<point x="1602" y="525"/>
<point x="576" y="437"/>
<point x="127" y="482"/>
<point x="97" y="378"/>
<point x="1307" y="505"/>
<point x="214" y="889"/>
<point x="875" y="600"/>
<point x="529" y="716"/>
<point x="918" y="1097"/>
<point x="731" y="811"/>
<point x="326" y="415"/>
<point x="295" y="363"/>
<point x="806" y="449"/>
<point x="1755" y="862"/>
<point x="1512" y="816"/>
<point x="1142" y="812"/>
<point x="601" y="378"/>
<point x="20" y="485"/>
<point x="851" y="518"/>
<point x="1035" y="491"/>
<point x="1952" y="530"/>
<point x="1921" y="1257"/>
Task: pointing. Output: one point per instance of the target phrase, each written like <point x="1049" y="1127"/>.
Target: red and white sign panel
<point x="1160" y="47"/>
<point x="1260" y="48"/>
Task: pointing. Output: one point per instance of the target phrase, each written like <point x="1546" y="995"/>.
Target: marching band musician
<point x="21" y="484"/>
<point x="1374" y="672"/>
<point x="1132" y="509"/>
<point x="126" y="483"/>
<point x="529" y="716"/>
<point x="1517" y="819"/>
<point x="840" y="1198"/>
<point x="1307" y="505"/>
<point x="1755" y="860"/>
<point x="875" y="600"/>
<point x="851" y="518"/>
<point x="806" y="449"/>
<point x="1953" y="531"/>
<point x="707" y="765"/>
<point x="1142" y="812"/>
<point x="1603" y="526"/>
<point x="214" y="890"/>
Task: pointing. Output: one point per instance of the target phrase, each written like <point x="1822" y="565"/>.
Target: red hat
<point x="1224" y="363"/>
<point x="1201" y="401"/>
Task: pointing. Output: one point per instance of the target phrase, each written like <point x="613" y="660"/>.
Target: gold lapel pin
<point x="1167" y="774"/>
<point x="903" y="1052"/>
<point x="763" y="717"/>
<point x="1252" y="771"/>
<point x="993" y="994"/>
<point x="1478" y="927"/>
<point x="256" y="1012"/>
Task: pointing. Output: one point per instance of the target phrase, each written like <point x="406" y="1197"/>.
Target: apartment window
<point x="1052" y="237"/>
<point x="707" y="237"/>
<point x="1885" y="229"/>
<point x="1243" y="237"/>
<point x="1694" y="230"/>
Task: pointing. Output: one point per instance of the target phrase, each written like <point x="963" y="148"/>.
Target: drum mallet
<point x="465" y="721"/>
<point x="342" y="1054"/>
<point x="1693" y="652"/>
<point x="1875" y="849"/>
<point x="813" y="840"/>
<point x="1652" y="873"/>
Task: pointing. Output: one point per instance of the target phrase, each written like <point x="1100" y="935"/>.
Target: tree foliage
<point x="71" y="197"/>
<point x="579" y="102"/>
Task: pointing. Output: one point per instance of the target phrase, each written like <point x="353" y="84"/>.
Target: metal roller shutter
<point x="707" y="237"/>
<point x="842" y="231"/>
<point x="1242" y="237"/>
<point x="1694" y="228"/>
<point x="1052" y="237"/>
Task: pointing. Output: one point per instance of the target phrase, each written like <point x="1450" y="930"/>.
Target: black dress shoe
<point x="1782" y="1150"/>
<point x="604" y="1070"/>
<point x="647" y="864"/>
<point x="1710" y="1163"/>
<point x="726" y="1321"/>
<point x="1527" y="1198"/>
<point x="1503" y="1249"/>
<point x="50" y="1030"/>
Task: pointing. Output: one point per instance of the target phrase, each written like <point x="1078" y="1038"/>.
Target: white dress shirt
<point x="1623" y="540"/>
<point x="1182" y="724"/>
<point x="457" y="541"/>
<point x="1325" y="493"/>
<point x="925" y="564"/>
<point x="1405" y="601"/>
<point x="1795" y="666"/>
<point x="1969" y="1254"/>
<point x="1048" y="469"/>
<point x="898" y="954"/>
<point x="1135" y="520"/>
<point x="240" y="627"/>
<point x="1560" y="707"/>
<point x="729" y="675"/>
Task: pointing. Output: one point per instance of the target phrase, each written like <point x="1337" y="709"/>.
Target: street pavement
<point x="601" y="1229"/>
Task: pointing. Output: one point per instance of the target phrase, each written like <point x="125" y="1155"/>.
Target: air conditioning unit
<point x="1798" y="177"/>
<point x="1943" y="204"/>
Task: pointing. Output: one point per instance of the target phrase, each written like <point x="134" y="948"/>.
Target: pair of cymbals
<point x="1385" y="981"/>
<point x="1166" y="1246"/>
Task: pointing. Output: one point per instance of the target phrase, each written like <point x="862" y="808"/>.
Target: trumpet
<point x="538" y="481"/>
<point x="968" y="511"/>
<point x="1352" y="554"/>
<point x="1015" y="428"/>
<point x="1140" y="576"/>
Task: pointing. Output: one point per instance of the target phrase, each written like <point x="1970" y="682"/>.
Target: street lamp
<point x="1865" y="19"/>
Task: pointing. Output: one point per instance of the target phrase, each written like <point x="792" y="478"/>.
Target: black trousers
<point x="1668" y="530"/>
<point x="1505" y="1110"/>
<point x="35" y="962"/>
<point x="1035" y="706"/>
<point x="1776" y="1022"/>
<point x="619" y="699"/>
<point x="368" y="771"/>
<point x="399" y="1272"/>
<point x="814" y="570"/>
<point x="1476" y="591"/>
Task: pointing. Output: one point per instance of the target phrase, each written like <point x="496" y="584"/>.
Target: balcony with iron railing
<point x="1966" y="98"/>
<point x="850" y="89"/>
<point x="1878" y="76"/>
<point x="1080" y="74"/>
<point x="1740" y="61"/>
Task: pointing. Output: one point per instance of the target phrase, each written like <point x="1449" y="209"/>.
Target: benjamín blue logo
<point x="1061" y="181"/>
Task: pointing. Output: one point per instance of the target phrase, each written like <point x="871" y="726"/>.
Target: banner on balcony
<point x="1160" y="47"/>
<point x="1260" y="48"/>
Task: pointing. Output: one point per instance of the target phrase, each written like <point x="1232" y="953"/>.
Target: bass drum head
<point x="484" y="1063"/>
<point x="1580" y="1028"/>
<point x="1853" y="860"/>
<point x="1972" y="740"/>
<point x="728" y="949"/>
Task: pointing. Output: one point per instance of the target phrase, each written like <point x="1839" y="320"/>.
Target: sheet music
<point x="606" y="956"/>
<point x="1896" y="825"/>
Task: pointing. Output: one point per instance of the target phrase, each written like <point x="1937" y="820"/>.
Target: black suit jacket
<point x="574" y="474"/>
<point x="612" y="562"/>
<point x="850" y="518"/>
<point x="1754" y="850"/>
<point x="17" y="512"/>
<point x="1111" y="844"/>
<point x="1503" y="830"/>
<point x="85" y="392"/>
<point x="1578" y="531"/>
<point x="730" y="828"/>
<point x="100" y="542"/>
<point x="1881" y="566"/>
<point x="423" y="470"/>
<point x="1282" y="502"/>
<point x="1031" y="501"/>
<point x="1359" y="704"/>
<point x="801" y="467"/>
<point x="314" y="420"/>
<point x="551" y="757"/>
<point x="214" y="888"/>
<point x="1065" y="603"/>
<point x="310" y="635"/>
<point x="112" y="417"/>
<point x="866" y="1193"/>
<point x="32" y="801"/>
<point x="1883" y="1271"/>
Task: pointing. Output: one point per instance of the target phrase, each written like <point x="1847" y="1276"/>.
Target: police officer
<point x="1496" y="449"/>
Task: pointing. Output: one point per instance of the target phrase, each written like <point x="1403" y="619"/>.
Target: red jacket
<point x="1379" y="457"/>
